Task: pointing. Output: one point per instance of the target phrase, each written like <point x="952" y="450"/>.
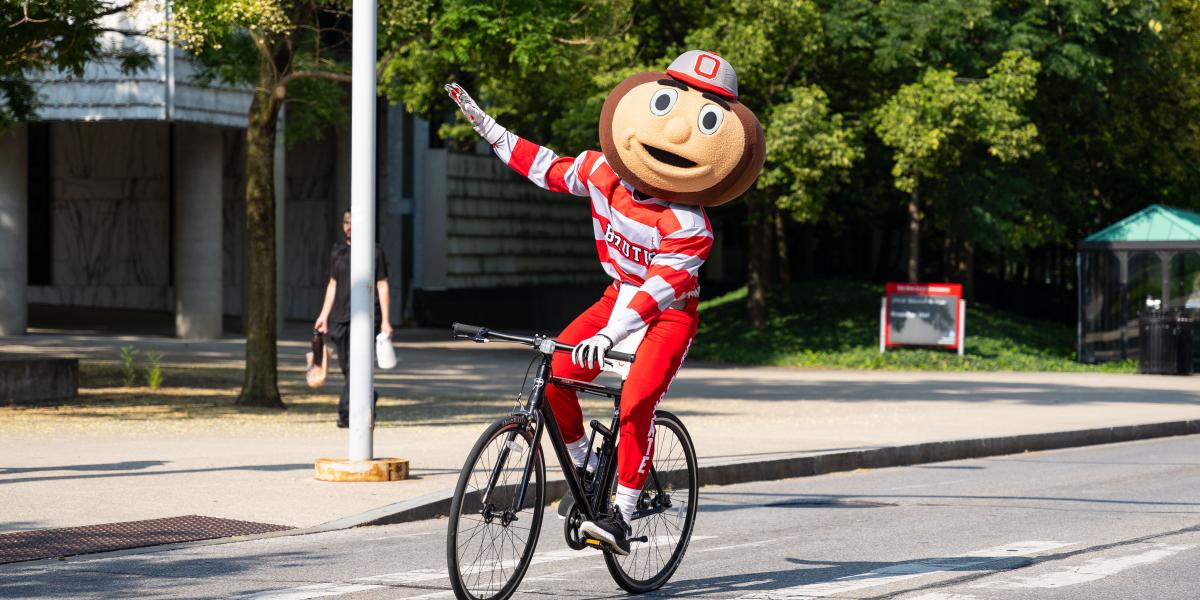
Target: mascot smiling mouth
<point x="669" y="158"/>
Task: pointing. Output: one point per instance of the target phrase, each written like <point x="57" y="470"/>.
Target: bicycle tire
<point x="478" y="579"/>
<point x="644" y="569"/>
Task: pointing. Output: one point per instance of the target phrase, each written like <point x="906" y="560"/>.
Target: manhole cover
<point x="69" y="541"/>
<point x="821" y="503"/>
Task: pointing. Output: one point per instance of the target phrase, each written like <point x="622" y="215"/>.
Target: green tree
<point x="930" y="125"/>
<point x="775" y="46"/>
<point x="63" y="35"/>
<point x="289" y="51"/>
<point x="541" y="68"/>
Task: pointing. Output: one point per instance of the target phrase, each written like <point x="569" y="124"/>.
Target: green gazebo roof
<point x="1155" y="224"/>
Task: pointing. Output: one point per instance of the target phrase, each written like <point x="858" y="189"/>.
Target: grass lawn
<point x="830" y="324"/>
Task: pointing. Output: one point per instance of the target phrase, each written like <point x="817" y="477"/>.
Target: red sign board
<point x="923" y="314"/>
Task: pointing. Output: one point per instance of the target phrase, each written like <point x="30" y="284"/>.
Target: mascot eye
<point x="710" y="120"/>
<point x="663" y="101"/>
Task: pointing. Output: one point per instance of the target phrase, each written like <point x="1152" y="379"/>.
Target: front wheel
<point x="666" y="511"/>
<point x="490" y="540"/>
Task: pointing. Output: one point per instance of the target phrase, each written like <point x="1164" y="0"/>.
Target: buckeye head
<point x="682" y="135"/>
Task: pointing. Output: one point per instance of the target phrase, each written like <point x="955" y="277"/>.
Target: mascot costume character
<point x="673" y="143"/>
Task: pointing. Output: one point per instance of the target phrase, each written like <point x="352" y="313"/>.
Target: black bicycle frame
<point x="539" y="411"/>
<point x="541" y="414"/>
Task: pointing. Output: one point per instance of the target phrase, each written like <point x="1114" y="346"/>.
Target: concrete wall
<point x="13" y="220"/>
<point x="314" y="222"/>
<point x="111" y="219"/>
<point x="481" y="226"/>
<point x="503" y="231"/>
<point x="110" y="216"/>
<point x="310" y="221"/>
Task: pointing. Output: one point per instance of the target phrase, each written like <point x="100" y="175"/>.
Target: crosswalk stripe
<point x="325" y="590"/>
<point x="944" y="596"/>
<point x="908" y="570"/>
<point x="307" y="592"/>
<point x="1093" y="569"/>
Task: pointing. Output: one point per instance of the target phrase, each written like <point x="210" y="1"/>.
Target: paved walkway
<point x="82" y="466"/>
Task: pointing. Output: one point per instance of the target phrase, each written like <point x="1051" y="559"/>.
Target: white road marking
<point x="435" y="594"/>
<point x="1093" y="569"/>
<point x="442" y="594"/>
<point x="923" y="485"/>
<point x="909" y="570"/>
<point x="325" y="590"/>
<point x="943" y="596"/>
<point x="746" y="545"/>
<point x="407" y="576"/>
<point x="402" y="535"/>
<point x="319" y="590"/>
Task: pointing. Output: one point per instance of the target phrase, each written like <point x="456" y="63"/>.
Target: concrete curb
<point x="728" y="473"/>
<point x="437" y="504"/>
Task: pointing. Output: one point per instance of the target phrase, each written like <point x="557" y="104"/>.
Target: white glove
<point x="483" y="124"/>
<point x="591" y="351"/>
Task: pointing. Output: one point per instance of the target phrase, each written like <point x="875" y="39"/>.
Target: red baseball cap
<point x="707" y="71"/>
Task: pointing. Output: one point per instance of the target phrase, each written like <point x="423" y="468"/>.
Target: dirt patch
<point x="199" y="399"/>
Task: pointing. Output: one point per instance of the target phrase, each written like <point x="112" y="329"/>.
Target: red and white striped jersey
<point x="651" y="243"/>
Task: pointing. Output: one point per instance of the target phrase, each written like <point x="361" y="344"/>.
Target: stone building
<point x="128" y="195"/>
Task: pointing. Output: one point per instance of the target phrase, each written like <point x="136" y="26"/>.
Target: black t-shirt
<point x="339" y="271"/>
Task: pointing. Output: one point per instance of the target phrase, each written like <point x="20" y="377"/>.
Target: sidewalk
<point x="86" y="466"/>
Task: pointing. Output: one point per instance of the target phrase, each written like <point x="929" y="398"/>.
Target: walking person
<point x="334" y="319"/>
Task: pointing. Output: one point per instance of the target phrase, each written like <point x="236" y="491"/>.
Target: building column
<point x="14" y="266"/>
<point x="198" y="252"/>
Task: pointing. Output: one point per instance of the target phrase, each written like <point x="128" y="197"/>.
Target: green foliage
<point x="128" y="369"/>
<point x="809" y="152"/>
<point x="63" y="36"/>
<point x="154" y="372"/>
<point x="931" y="124"/>
<point x="774" y="46"/>
<point x="836" y="325"/>
<point x="301" y="48"/>
<point x="525" y="61"/>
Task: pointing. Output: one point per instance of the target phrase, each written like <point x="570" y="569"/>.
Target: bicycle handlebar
<point x="483" y="333"/>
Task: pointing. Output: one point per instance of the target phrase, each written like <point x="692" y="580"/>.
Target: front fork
<point x="529" y="412"/>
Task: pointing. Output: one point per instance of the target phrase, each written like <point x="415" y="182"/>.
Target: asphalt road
<point x="1119" y="521"/>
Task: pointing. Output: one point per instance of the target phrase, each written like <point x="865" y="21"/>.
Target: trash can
<point x="1158" y="353"/>
<point x="1165" y="340"/>
<point x="1185" y="323"/>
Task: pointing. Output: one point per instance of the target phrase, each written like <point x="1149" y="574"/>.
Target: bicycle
<point x="493" y="519"/>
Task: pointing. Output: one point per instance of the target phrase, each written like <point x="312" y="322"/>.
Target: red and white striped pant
<point x="658" y="358"/>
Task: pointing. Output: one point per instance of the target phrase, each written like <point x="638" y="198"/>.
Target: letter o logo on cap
<point x="707" y="66"/>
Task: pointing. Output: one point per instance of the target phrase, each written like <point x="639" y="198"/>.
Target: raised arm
<point x="537" y="163"/>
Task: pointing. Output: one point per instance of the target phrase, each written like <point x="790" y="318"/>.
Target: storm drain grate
<point x="69" y="541"/>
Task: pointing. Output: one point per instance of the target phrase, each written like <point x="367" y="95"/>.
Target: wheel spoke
<point x="649" y="564"/>
<point x="490" y="556"/>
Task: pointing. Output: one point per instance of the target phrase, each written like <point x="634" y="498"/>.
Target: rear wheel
<point x="666" y="511"/>
<point x="489" y="544"/>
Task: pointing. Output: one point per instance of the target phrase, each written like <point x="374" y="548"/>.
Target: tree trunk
<point x="950" y="267"/>
<point x="914" y="236"/>
<point x="758" y="227"/>
<point x="261" y="387"/>
<point x="966" y="269"/>
<point x="783" y="263"/>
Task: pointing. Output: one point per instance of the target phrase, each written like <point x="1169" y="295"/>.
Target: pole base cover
<point x="379" y="469"/>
